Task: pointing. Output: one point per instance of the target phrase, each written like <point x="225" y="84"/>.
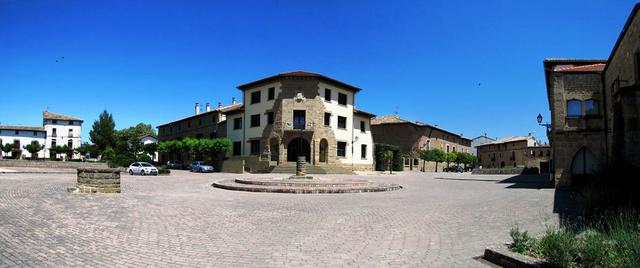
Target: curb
<point x="505" y="258"/>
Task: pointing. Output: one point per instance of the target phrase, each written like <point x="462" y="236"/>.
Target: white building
<point x="301" y="114"/>
<point x="62" y="130"/>
<point x="57" y="130"/>
<point x="20" y="136"/>
<point x="148" y="140"/>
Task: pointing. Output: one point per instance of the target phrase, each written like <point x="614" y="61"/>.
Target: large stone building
<point x="412" y="137"/>
<point x="301" y="114"/>
<point x="595" y="109"/>
<point x="574" y="89"/>
<point x="208" y="124"/>
<point x="517" y="151"/>
<point x="57" y="130"/>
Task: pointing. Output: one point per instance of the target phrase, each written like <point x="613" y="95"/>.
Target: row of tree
<point x="439" y="156"/>
<point x="34" y="148"/>
<point x="197" y="148"/>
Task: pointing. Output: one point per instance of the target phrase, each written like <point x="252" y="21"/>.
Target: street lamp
<point x="547" y="125"/>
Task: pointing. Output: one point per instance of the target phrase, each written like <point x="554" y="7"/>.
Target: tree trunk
<point x="436" y="167"/>
<point x="424" y="165"/>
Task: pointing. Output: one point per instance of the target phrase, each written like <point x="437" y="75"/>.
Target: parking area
<point x="437" y="220"/>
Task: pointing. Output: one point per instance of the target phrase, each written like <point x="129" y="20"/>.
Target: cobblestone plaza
<point x="437" y="220"/>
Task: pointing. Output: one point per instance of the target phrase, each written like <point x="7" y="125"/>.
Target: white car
<point x="142" y="168"/>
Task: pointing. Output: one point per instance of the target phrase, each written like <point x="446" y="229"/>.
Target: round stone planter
<point x="97" y="180"/>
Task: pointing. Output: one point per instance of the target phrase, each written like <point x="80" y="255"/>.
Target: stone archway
<point x="584" y="166"/>
<point x="298" y="147"/>
<point x="324" y="151"/>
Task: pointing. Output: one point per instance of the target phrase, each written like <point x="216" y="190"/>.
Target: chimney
<point x="208" y="107"/>
<point x="219" y="104"/>
<point x="233" y="100"/>
<point x="529" y="134"/>
<point x="197" y="108"/>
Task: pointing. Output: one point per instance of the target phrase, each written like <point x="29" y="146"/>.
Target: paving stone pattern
<point x="181" y="221"/>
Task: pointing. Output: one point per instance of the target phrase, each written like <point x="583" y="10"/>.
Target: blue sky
<point x="468" y="66"/>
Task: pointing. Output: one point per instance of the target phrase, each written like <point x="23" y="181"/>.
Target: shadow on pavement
<point x="529" y="182"/>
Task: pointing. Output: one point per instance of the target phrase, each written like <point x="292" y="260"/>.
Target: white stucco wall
<point x="25" y="137"/>
<point x="63" y="135"/>
<point x="332" y="106"/>
<point x="362" y="138"/>
<point x="234" y="134"/>
<point x="258" y="108"/>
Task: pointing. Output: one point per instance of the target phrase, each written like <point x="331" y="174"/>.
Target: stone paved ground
<point x="180" y="220"/>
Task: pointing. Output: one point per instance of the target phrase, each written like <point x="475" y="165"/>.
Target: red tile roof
<point x="358" y="111"/>
<point x="54" y="116"/>
<point x="298" y="74"/>
<point x="231" y="108"/>
<point x="598" y="67"/>
<point x="39" y="129"/>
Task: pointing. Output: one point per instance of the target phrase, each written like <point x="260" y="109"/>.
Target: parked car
<point x="199" y="166"/>
<point x="173" y="164"/>
<point x="142" y="168"/>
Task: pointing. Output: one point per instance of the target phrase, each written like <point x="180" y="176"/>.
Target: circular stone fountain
<point x="304" y="184"/>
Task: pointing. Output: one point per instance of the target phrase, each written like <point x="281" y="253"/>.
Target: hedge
<point x="397" y="157"/>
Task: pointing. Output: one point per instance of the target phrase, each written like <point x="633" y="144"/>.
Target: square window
<point x="363" y="151"/>
<point x="255" y="120"/>
<point x="327" y="119"/>
<point x="327" y="94"/>
<point x="342" y="149"/>
<point x="255" y="97"/>
<point x="270" y="118"/>
<point x="237" y="123"/>
<point x="237" y="148"/>
<point x="255" y="147"/>
<point x="342" y="99"/>
<point x="342" y="122"/>
<point x="271" y="94"/>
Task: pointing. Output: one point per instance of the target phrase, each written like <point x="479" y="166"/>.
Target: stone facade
<point x="267" y="128"/>
<point x="94" y="180"/>
<point x="519" y="151"/>
<point x="571" y="84"/>
<point x="412" y="137"/>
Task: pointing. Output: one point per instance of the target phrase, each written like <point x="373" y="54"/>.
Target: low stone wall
<point x="232" y="165"/>
<point x="97" y="180"/>
<point x="49" y="164"/>
<point x="498" y="170"/>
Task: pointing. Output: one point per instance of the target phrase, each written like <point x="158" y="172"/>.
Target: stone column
<point x="300" y="166"/>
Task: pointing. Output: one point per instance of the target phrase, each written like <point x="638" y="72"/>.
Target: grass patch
<point x="610" y="240"/>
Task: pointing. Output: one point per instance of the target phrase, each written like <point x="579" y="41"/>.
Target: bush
<point x="558" y="247"/>
<point x="397" y="157"/>
<point x="144" y="158"/>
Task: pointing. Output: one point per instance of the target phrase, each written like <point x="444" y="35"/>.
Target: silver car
<point x="142" y="168"/>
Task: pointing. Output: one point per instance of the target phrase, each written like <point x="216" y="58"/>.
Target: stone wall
<point x="97" y="180"/>
<point x="50" y="164"/>
<point x="232" y="165"/>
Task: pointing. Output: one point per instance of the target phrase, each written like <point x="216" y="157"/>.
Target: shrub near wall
<point x="397" y="157"/>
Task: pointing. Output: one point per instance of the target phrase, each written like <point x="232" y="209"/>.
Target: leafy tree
<point x="33" y="149"/>
<point x="436" y="155"/>
<point x="388" y="156"/>
<point x="58" y="149"/>
<point x="103" y="131"/>
<point x="150" y="148"/>
<point x="379" y="150"/>
<point x="450" y="157"/>
<point x="6" y="148"/>
<point x="84" y="149"/>
<point x="108" y="153"/>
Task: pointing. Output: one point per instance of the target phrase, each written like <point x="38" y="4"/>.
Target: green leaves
<point x="195" y="147"/>
<point x="102" y="133"/>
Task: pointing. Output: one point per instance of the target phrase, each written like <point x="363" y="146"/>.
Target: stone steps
<point x="290" y="168"/>
<point x="304" y="186"/>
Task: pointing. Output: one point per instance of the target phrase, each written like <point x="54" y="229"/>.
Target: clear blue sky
<point x="468" y="66"/>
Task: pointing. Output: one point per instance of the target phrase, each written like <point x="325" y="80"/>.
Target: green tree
<point x="128" y="146"/>
<point x="450" y="157"/>
<point x="150" y="148"/>
<point x="436" y="155"/>
<point x="388" y="156"/>
<point x="84" y="149"/>
<point x="103" y="131"/>
<point x="56" y="150"/>
<point x="6" y="148"/>
<point x="33" y="149"/>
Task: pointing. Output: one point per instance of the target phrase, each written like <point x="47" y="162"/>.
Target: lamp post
<point x="547" y="125"/>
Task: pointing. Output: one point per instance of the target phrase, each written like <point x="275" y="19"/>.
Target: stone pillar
<point x="300" y="166"/>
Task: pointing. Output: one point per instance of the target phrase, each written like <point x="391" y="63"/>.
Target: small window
<point x="342" y="99"/>
<point x="189" y="124"/>
<point x="548" y="152"/>
<point x="342" y="149"/>
<point x="213" y="135"/>
<point x="199" y="121"/>
<point x="54" y="121"/>
<point x="237" y="148"/>
<point x="35" y="133"/>
<point x="255" y="120"/>
<point x="591" y="107"/>
<point x="362" y="126"/>
<point x="327" y="119"/>
<point x="342" y="122"/>
<point x="363" y="151"/>
<point x="255" y="147"/>
<point x="327" y="94"/>
<point x="237" y="123"/>
<point x="70" y="144"/>
<point x="574" y="108"/>
<point x="270" y="118"/>
<point x="271" y="94"/>
<point x="170" y="129"/>
<point x="17" y="132"/>
<point x="255" y="97"/>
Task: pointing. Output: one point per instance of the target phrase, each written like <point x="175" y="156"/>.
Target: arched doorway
<point x="324" y="150"/>
<point x="298" y="147"/>
<point x="274" y="147"/>
<point x="584" y="166"/>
